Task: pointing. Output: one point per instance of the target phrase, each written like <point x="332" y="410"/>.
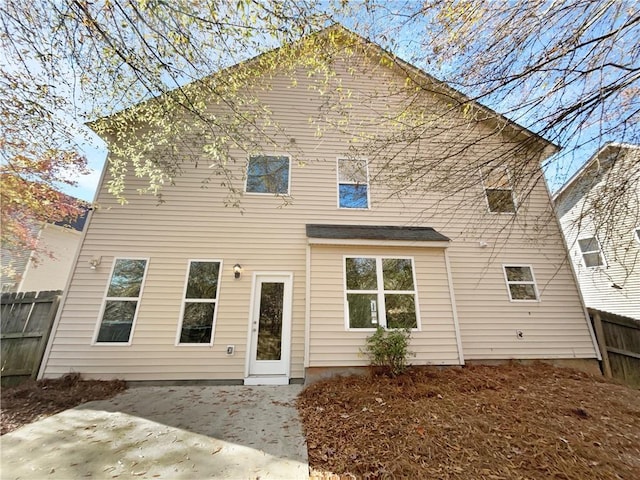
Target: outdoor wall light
<point x="94" y="262"/>
<point x="237" y="270"/>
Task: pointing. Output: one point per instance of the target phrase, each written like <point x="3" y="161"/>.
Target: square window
<point x="268" y="174"/>
<point x="199" y="306"/>
<point x="521" y="283"/>
<point x="353" y="183"/>
<point x="120" y="305"/>
<point x="591" y="252"/>
<point x="498" y="190"/>
<point x="380" y="291"/>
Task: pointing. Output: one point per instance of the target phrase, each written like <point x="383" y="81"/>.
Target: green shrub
<point x="389" y="350"/>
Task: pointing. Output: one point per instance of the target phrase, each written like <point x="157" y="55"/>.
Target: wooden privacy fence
<point x="27" y="318"/>
<point x="619" y="342"/>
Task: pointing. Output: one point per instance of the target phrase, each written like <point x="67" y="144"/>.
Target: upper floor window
<point x="199" y="306"/>
<point x="521" y="282"/>
<point x="380" y="291"/>
<point x="591" y="252"/>
<point x="497" y="188"/>
<point x="120" y="306"/>
<point x="353" y="183"/>
<point x="636" y="234"/>
<point x="268" y="174"/>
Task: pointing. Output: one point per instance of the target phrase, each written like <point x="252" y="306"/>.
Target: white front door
<point x="270" y="329"/>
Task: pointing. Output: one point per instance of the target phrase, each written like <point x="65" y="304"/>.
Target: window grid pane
<point x="353" y="196"/>
<point x="400" y="311"/>
<point x="500" y="200"/>
<point x="203" y="280"/>
<point x="361" y="273"/>
<point x="268" y="174"/>
<point x="126" y="279"/>
<point x="352" y="171"/>
<point x="519" y="274"/>
<point x="589" y="245"/>
<point x="363" y="310"/>
<point x="197" y="322"/>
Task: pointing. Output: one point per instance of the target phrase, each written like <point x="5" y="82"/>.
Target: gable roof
<point x="338" y="32"/>
<point x="607" y="150"/>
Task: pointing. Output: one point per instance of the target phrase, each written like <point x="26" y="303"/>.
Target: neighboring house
<point x="50" y="269"/>
<point x="322" y="253"/>
<point x="599" y="211"/>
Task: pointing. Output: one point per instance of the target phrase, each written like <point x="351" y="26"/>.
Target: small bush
<point x="389" y="350"/>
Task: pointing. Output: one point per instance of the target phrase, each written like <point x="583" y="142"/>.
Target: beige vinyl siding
<point x="332" y="345"/>
<point x="266" y="235"/>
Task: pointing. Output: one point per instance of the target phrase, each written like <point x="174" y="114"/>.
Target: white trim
<point x="65" y="293"/>
<point x="338" y="182"/>
<point x="267" y="380"/>
<point x="105" y="298"/>
<point x="380" y="292"/>
<point x="454" y="308"/>
<point x="379" y="243"/>
<point x="527" y="282"/>
<point x="485" y="188"/>
<point x="574" y="275"/>
<point x="269" y="194"/>
<point x="307" y="308"/>
<point x="215" y="301"/>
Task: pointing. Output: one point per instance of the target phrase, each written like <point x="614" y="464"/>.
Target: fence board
<point x="26" y="324"/>
<point x="619" y="340"/>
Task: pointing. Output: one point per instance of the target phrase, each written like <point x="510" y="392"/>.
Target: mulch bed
<point x="32" y="400"/>
<point x="478" y="422"/>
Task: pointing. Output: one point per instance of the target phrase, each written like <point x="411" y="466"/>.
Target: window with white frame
<point x="498" y="190"/>
<point x="268" y="174"/>
<point x="353" y="183"/>
<point x="199" y="305"/>
<point x="520" y="282"/>
<point x="380" y="292"/>
<point x="591" y="252"/>
<point x="122" y="300"/>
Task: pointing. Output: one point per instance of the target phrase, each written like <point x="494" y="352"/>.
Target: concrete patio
<point x="194" y="432"/>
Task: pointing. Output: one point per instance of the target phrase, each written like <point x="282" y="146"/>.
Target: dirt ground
<point x="478" y="422"/>
<point x="32" y="400"/>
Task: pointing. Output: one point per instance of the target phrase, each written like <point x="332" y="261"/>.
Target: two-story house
<point x="330" y="242"/>
<point x="599" y="211"/>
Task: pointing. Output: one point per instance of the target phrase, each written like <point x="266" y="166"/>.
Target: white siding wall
<point x="620" y="249"/>
<point x="267" y="236"/>
<point x="52" y="272"/>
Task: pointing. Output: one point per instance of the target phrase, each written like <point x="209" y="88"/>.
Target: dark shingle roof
<point x="374" y="232"/>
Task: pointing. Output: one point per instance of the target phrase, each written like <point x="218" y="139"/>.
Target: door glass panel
<point x="270" y="321"/>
